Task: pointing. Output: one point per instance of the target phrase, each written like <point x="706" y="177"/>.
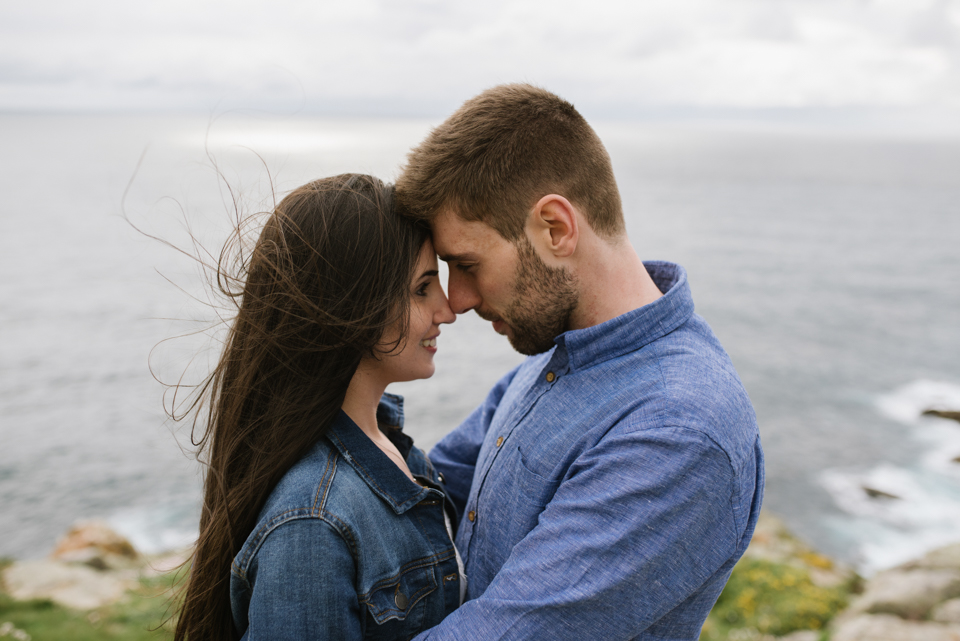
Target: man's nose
<point x="461" y="292"/>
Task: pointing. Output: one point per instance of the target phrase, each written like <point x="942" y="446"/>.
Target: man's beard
<point x="544" y="298"/>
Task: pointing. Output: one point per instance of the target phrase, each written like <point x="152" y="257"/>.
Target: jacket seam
<point x="239" y="568"/>
<point x="326" y="482"/>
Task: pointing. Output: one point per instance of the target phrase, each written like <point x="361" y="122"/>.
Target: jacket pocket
<point x="399" y="597"/>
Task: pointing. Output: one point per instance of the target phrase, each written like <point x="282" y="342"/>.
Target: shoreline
<point x="781" y="589"/>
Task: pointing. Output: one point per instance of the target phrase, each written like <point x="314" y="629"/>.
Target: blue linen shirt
<point x="347" y="547"/>
<point x="608" y="486"/>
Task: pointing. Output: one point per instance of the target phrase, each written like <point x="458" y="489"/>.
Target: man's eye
<point x="464" y="267"/>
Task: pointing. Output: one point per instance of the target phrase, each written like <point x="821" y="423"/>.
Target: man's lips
<point x="500" y="327"/>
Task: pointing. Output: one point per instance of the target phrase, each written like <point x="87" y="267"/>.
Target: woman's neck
<point x="360" y="404"/>
<point x="362" y="399"/>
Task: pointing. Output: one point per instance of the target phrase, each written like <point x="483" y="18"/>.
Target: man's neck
<point x="613" y="281"/>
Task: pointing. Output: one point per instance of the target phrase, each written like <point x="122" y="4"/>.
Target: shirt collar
<point x="374" y="467"/>
<point x="635" y="329"/>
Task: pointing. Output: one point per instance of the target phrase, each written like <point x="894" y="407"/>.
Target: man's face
<point x="506" y="283"/>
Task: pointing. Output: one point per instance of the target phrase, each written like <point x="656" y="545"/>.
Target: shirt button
<point x="471" y="516"/>
<point x="401" y="600"/>
<point x="550" y="377"/>
<point x="499" y="441"/>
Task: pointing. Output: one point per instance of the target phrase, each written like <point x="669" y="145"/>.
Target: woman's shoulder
<point x="316" y="488"/>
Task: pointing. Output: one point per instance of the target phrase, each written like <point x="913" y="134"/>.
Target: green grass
<point x="767" y="598"/>
<point x="761" y="598"/>
<point x="139" y="617"/>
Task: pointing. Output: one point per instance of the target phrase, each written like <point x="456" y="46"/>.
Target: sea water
<point x="825" y="260"/>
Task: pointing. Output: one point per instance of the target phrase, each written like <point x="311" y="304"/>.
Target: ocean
<point x="825" y="259"/>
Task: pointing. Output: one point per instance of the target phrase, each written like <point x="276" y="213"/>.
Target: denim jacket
<point x="347" y="547"/>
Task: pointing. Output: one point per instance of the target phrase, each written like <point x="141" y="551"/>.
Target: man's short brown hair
<point x="502" y="151"/>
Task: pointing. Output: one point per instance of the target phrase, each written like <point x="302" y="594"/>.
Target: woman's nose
<point x="444" y="313"/>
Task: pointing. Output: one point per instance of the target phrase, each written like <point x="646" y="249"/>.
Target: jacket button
<point x="472" y="516"/>
<point x="499" y="441"/>
<point x="440" y="477"/>
<point x="550" y="377"/>
<point x="401" y="600"/>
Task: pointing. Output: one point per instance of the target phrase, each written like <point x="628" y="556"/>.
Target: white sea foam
<point x="156" y="529"/>
<point x="907" y="404"/>
<point x="895" y="513"/>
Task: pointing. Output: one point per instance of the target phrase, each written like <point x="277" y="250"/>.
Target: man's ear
<point x="553" y="225"/>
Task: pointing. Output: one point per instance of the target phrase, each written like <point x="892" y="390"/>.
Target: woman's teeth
<point x="429" y="342"/>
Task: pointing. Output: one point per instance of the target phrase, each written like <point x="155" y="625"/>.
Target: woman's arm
<point x="300" y="585"/>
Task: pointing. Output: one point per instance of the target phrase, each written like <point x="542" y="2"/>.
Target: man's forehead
<point x="457" y="239"/>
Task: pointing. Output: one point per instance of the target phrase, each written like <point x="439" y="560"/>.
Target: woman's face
<point x="429" y="309"/>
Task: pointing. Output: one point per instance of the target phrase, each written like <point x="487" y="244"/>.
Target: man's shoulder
<point x="701" y="388"/>
<point x="683" y="381"/>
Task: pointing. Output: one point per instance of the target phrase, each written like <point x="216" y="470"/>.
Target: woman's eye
<point x="422" y="289"/>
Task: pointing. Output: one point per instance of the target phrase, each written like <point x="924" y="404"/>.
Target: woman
<point x="320" y="519"/>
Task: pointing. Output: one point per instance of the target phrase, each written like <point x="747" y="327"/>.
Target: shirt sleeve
<point x="455" y="456"/>
<point x="640" y="522"/>
<point x="302" y="585"/>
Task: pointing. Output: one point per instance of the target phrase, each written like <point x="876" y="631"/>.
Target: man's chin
<point x="529" y="344"/>
<point x="526" y="342"/>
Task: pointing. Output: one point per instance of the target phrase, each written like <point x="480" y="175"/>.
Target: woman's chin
<point x="427" y="372"/>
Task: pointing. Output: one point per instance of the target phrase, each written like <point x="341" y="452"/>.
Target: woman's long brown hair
<point x="329" y="273"/>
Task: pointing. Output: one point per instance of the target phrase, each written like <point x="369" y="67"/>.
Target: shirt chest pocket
<point x="396" y="607"/>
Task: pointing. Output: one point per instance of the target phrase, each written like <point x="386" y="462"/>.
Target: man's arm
<point x="642" y="521"/>
<point x="456" y="455"/>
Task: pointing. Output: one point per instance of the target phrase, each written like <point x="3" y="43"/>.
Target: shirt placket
<point x="549" y="374"/>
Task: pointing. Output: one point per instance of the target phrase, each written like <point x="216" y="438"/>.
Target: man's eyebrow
<point x="447" y="258"/>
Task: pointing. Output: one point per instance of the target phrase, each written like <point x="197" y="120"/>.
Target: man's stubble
<point x="544" y="298"/>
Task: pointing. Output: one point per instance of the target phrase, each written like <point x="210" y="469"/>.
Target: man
<point x="608" y="484"/>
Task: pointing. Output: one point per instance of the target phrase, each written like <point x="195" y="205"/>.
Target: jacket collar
<point x="374" y="467"/>
<point x="635" y="329"/>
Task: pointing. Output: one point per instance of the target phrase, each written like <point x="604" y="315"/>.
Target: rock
<point x="165" y="564"/>
<point x="7" y="629"/>
<point x="72" y="586"/>
<point x="947" y="557"/>
<point x="93" y="543"/>
<point x="947" y="612"/>
<point x="910" y="594"/>
<point x="951" y="414"/>
<point x="874" y="493"/>
<point x="887" y="627"/>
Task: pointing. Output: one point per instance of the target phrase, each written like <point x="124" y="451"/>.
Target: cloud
<point x="389" y="56"/>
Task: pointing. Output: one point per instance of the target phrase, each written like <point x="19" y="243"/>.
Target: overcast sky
<point x="426" y="56"/>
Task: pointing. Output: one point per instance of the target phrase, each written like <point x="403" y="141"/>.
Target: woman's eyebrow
<point x="430" y="272"/>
